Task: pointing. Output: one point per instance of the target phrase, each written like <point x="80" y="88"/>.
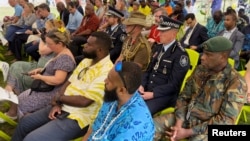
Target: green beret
<point x="217" y="44"/>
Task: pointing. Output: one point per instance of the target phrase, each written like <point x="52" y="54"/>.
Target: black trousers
<point x="76" y="45"/>
<point x="16" y="45"/>
<point x="156" y="105"/>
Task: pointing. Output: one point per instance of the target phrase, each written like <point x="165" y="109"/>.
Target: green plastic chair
<point x="78" y="139"/>
<point x="193" y="59"/>
<point x="231" y="62"/>
<point x="4" y="67"/>
<point x="245" y="108"/>
<point x="3" y="134"/>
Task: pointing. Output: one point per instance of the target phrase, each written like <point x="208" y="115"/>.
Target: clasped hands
<point x="176" y="133"/>
<point x="145" y="95"/>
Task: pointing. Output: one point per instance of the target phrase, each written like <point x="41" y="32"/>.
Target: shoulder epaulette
<point x="180" y="46"/>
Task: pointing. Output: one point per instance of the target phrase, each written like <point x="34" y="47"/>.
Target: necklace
<point x="111" y="122"/>
<point x="130" y="48"/>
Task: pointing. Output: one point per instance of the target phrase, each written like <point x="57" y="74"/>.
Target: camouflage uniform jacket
<point x="217" y="98"/>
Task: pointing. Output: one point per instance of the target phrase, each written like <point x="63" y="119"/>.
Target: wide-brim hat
<point x="136" y="18"/>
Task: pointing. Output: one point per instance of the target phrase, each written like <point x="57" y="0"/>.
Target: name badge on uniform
<point x="168" y="61"/>
<point x="164" y="71"/>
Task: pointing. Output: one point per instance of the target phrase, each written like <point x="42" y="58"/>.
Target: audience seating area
<point x="194" y="56"/>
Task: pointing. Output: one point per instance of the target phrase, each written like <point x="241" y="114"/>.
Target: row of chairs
<point x="194" y="58"/>
<point x="4" y="68"/>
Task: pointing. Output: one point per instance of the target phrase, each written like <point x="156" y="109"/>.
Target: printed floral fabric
<point x="132" y="122"/>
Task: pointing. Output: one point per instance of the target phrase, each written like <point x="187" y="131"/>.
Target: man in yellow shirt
<point x="77" y="105"/>
<point x="144" y="8"/>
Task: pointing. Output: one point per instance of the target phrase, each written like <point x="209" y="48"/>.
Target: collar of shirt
<point x="133" y="98"/>
<point x="73" y="14"/>
<point x="168" y="45"/>
<point x="191" y="30"/>
<point x="230" y="31"/>
<point x="113" y="27"/>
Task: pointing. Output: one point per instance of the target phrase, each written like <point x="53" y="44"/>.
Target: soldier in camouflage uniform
<point x="135" y="47"/>
<point x="214" y="94"/>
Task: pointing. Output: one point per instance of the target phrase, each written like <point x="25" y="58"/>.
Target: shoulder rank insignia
<point x="180" y="46"/>
<point x="122" y="37"/>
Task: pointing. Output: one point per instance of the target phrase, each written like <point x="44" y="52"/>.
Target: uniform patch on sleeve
<point x="184" y="61"/>
<point x="122" y="37"/>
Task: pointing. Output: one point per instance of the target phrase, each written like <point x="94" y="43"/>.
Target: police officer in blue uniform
<point x="169" y="64"/>
<point x="116" y="31"/>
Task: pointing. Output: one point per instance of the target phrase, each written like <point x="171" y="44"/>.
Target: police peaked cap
<point x="167" y="23"/>
<point x="113" y="11"/>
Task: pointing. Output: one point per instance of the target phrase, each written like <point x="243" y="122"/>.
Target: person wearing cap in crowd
<point x="124" y="115"/>
<point x="116" y="31"/>
<point x="135" y="47"/>
<point x="213" y="95"/>
<point x="169" y="64"/>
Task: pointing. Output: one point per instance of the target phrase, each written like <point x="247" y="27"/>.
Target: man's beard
<point x="110" y="95"/>
<point x="90" y="55"/>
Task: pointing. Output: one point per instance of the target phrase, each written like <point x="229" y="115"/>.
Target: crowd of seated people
<point x="82" y="52"/>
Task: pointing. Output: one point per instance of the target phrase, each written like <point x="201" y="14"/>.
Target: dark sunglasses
<point x="118" y="68"/>
<point x="82" y="72"/>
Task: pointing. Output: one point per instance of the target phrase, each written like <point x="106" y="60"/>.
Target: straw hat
<point x="136" y="18"/>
